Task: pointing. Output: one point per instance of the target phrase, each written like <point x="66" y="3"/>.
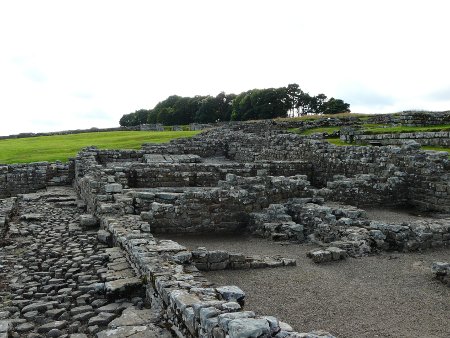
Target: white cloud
<point x="63" y="62"/>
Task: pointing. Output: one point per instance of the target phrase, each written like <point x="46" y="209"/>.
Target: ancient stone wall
<point x="201" y="174"/>
<point x="24" y="178"/>
<point x="438" y="138"/>
<point x="412" y="118"/>
<point x="8" y="207"/>
<point x="223" y="209"/>
<point x="399" y="175"/>
<point x="425" y="174"/>
<point x="329" y="121"/>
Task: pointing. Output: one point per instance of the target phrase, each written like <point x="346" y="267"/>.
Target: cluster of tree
<point x="250" y="105"/>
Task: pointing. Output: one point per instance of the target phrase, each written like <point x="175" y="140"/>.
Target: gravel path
<point x="388" y="295"/>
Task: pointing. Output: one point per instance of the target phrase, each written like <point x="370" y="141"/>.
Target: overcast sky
<point x="81" y="64"/>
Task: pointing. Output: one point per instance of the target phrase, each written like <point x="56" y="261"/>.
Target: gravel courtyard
<point x="386" y="295"/>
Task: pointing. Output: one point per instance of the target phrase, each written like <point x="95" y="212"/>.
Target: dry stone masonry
<point x="86" y="260"/>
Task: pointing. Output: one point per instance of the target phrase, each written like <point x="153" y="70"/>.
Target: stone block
<point x="232" y="294"/>
<point x="248" y="327"/>
<point x="123" y="286"/>
<point x="104" y="236"/>
<point x="337" y="253"/>
<point x="440" y="268"/>
<point x="113" y="188"/>
<point x="88" y="221"/>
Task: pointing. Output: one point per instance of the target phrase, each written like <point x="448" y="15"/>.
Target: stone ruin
<point x="81" y="281"/>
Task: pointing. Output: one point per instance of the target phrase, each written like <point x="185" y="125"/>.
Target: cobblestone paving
<point x="58" y="280"/>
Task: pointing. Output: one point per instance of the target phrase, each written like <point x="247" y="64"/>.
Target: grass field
<point x="311" y="131"/>
<point x="61" y="147"/>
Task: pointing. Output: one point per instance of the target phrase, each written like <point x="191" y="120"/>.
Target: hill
<point x="62" y="147"/>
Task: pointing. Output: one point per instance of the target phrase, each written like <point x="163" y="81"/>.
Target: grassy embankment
<point x="61" y="147"/>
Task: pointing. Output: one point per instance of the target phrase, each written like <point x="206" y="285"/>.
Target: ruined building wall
<point x="153" y="175"/>
<point x="24" y="178"/>
<point x="411" y="118"/>
<point x="397" y="175"/>
<point x="425" y="174"/>
<point x="224" y="209"/>
<point x="438" y="138"/>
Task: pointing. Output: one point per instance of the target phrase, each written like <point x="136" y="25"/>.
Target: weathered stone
<point x="135" y="332"/>
<point x="52" y="325"/>
<point x="232" y="294"/>
<point x="123" y="286"/>
<point x="135" y="317"/>
<point x="88" y="221"/>
<point x="104" y="236"/>
<point x="113" y="188"/>
<point x="248" y="327"/>
<point x="103" y="318"/>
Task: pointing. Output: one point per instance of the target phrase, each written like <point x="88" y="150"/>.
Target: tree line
<point x="253" y="104"/>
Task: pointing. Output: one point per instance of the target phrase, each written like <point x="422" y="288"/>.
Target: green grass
<point x="61" y="147"/>
<point x="338" y="142"/>
<point x="311" y="131"/>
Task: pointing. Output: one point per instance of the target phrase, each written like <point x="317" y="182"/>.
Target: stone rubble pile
<point x="274" y="223"/>
<point x="345" y="227"/>
<point x="442" y="272"/>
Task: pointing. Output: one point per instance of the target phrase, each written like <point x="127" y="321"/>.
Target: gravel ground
<point x="387" y="295"/>
<point x="395" y="215"/>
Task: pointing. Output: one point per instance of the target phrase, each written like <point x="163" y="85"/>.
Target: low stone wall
<point x="151" y="127"/>
<point x="441" y="138"/>
<point x="7" y="209"/>
<point x="114" y="156"/>
<point x="326" y="121"/>
<point x="412" y="118"/>
<point x="196" y="145"/>
<point x="329" y="254"/>
<point x="25" y="178"/>
<point x="210" y="260"/>
<point x="190" y="306"/>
